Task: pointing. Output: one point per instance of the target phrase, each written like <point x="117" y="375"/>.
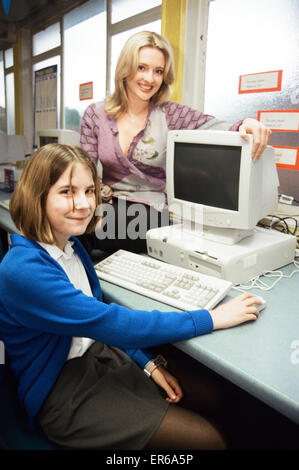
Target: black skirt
<point x="102" y="400"/>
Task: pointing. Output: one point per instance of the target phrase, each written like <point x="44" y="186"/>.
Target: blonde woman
<point x="128" y="135"/>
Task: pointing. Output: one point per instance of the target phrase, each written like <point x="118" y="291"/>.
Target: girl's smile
<point x="71" y="203"/>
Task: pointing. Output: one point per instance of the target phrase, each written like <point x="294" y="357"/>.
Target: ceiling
<point x="29" y="14"/>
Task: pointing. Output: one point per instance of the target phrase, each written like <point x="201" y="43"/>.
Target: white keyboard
<point x="172" y="285"/>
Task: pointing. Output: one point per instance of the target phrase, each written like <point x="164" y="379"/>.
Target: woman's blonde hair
<point x="127" y="66"/>
<point x="43" y="169"/>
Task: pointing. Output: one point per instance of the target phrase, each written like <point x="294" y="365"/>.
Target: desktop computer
<point x="265" y="250"/>
<point x="216" y="196"/>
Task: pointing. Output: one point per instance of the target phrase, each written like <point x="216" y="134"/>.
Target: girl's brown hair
<point x="127" y="66"/>
<point x="43" y="169"/>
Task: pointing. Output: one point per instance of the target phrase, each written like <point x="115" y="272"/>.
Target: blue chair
<point x="15" y="433"/>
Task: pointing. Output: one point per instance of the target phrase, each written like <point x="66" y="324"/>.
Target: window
<point x="84" y="58"/>
<point x="55" y="60"/>
<point x="253" y="39"/>
<point x="47" y="39"/>
<point x="91" y="40"/>
<point x="10" y="110"/>
<point x="250" y="40"/>
<point x="81" y="43"/>
<point x="46" y="47"/>
<point x="8" y="58"/>
<point x="2" y="97"/>
<point x="9" y="90"/>
<point x="122" y="9"/>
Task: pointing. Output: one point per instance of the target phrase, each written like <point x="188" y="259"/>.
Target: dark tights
<point x="215" y="414"/>
<point x="185" y="426"/>
<point x="183" y="429"/>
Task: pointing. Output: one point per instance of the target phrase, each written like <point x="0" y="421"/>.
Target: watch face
<point x="158" y="361"/>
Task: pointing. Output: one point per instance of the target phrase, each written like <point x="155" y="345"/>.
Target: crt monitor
<point x="60" y="136"/>
<point x="215" y="186"/>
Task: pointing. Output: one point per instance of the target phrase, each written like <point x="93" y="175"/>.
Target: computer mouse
<point x="262" y="305"/>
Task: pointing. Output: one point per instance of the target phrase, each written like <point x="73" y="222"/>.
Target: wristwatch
<point x="153" y="364"/>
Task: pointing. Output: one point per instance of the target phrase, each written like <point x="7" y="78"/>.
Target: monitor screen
<point x="215" y="181"/>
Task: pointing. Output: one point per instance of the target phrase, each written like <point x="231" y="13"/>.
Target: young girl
<point x="78" y="361"/>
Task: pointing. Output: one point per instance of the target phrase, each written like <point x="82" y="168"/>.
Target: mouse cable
<point x="258" y="283"/>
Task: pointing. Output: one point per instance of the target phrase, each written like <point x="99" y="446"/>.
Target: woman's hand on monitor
<point x="260" y="134"/>
<point x="238" y="310"/>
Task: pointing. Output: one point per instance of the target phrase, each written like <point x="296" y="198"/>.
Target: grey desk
<point x="257" y="356"/>
<point x="260" y="357"/>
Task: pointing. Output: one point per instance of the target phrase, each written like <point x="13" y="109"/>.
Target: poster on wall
<point x="285" y="122"/>
<point x="260" y="82"/>
<point x="280" y="119"/>
<point x="45" y="98"/>
<point x="86" y="91"/>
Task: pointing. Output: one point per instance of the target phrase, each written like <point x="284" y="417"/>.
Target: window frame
<point x="55" y="51"/>
<point x="7" y="71"/>
<point x="131" y="22"/>
<point x="140" y="19"/>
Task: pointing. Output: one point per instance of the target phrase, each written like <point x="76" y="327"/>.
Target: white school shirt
<point x="76" y="273"/>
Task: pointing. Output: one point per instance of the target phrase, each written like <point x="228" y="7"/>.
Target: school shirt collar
<point x="57" y="253"/>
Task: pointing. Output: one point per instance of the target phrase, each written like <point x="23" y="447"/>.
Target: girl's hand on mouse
<point x="238" y="310"/>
